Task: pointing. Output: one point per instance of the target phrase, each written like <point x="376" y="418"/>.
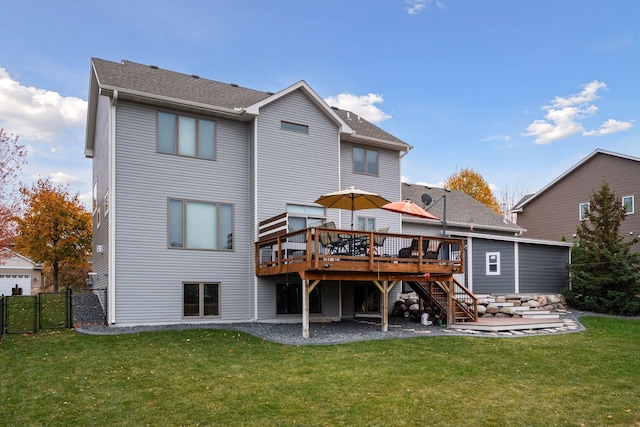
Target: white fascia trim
<point x="462" y="225"/>
<point x="255" y="212"/>
<point x="400" y="146"/>
<point x="171" y="100"/>
<point x="344" y="127"/>
<point x="513" y="239"/>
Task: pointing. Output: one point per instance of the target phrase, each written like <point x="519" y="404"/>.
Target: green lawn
<point x="215" y="377"/>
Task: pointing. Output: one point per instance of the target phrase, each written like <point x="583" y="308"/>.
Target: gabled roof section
<point x="462" y="209"/>
<point x="157" y="86"/>
<point x="525" y="200"/>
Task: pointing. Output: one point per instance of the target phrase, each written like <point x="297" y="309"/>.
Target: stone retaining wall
<point x="487" y="307"/>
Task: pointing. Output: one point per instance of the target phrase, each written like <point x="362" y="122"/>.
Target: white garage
<point x="9" y="281"/>
<point x="16" y="269"/>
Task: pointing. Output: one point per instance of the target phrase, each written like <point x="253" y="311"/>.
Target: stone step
<point x="502" y="304"/>
<point x="539" y="314"/>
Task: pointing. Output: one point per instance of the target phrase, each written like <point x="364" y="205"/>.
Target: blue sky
<point x="520" y="91"/>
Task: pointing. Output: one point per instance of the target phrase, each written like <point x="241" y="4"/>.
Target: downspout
<point x="111" y="268"/>
<point x="255" y="213"/>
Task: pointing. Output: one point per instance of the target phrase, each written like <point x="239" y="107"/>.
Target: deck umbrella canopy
<point x="410" y="208"/>
<point x="353" y="199"/>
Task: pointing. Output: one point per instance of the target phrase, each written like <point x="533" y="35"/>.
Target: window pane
<point x="176" y="238"/>
<point x="206" y="139"/>
<point x="372" y="162"/>
<point x="627" y="202"/>
<point x="210" y="299"/>
<point x="297" y="223"/>
<point x="191" y="305"/>
<point x="226" y="227"/>
<point x="360" y="225"/>
<point x="201" y="225"/>
<point x="371" y="224"/>
<point x="294" y="127"/>
<point x="358" y="160"/>
<point x="187" y="136"/>
<point x="166" y="133"/>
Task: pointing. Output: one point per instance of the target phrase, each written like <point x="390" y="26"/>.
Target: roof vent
<point x="195" y="76"/>
<point x="270" y="93"/>
<point x="155" y="67"/>
<point x="233" y="84"/>
<point x="334" y="107"/>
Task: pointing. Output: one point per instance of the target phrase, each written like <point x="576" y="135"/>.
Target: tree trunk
<point x="55" y="268"/>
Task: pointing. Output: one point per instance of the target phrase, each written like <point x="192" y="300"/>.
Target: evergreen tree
<point x="605" y="274"/>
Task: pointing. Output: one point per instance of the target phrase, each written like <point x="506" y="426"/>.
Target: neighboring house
<point x="554" y="212"/>
<point x="184" y="171"/>
<point x="20" y="271"/>
<point x="497" y="258"/>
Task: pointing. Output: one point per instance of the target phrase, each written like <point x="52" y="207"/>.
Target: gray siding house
<point x="499" y="260"/>
<point x="554" y="212"/>
<point x="186" y="168"/>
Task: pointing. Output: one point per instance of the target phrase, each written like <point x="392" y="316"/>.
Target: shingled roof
<point x="153" y="82"/>
<point x="462" y="209"/>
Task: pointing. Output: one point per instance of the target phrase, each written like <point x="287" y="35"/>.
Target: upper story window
<point x="294" y="127"/>
<point x="627" y="202"/>
<point x="366" y="224"/>
<point x="186" y="136"/>
<point x="493" y="263"/>
<point x="300" y="216"/>
<point x="584" y="211"/>
<point x="200" y="225"/>
<point x="94" y="197"/>
<point x="365" y="161"/>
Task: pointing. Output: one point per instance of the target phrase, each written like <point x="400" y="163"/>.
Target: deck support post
<point x="385" y="288"/>
<point x="305" y="308"/>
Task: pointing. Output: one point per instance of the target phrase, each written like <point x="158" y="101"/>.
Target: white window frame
<point x="94" y="197"/>
<point x="582" y="212"/>
<point x="489" y="263"/>
<point x="106" y="203"/>
<point x="632" y="204"/>
<point x="98" y="217"/>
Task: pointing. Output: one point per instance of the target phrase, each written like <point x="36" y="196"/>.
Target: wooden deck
<point x="330" y="254"/>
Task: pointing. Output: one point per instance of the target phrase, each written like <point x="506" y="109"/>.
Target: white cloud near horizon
<point x="565" y="116"/>
<point x="37" y="114"/>
<point x="361" y="105"/>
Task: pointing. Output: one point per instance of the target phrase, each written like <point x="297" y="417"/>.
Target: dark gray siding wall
<point x="543" y="268"/>
<point x="482" y="283"/>
<point x="293" y="168"/>
<point x="101" y="177"/>
<point x="150" y="275"/>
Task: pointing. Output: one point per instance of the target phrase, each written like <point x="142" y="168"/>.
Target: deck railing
<point x="324" y="248"/>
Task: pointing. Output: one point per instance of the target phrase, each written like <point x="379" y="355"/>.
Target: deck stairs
<point x="435" y="295"/>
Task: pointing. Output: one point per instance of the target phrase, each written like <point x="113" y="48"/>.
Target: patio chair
<point x="378" y="240"/>
<point x="331" y="241"/>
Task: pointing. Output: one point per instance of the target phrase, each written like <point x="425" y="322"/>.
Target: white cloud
<point x="63" y="178"/>
<point x="416" y="6"/>
<point x="609" y="127"/>
<point x="362" y="105"/>
<point x="565" y="115"/>
<point x="37" y="114"/>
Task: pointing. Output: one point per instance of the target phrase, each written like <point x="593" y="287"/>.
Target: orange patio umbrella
<point x="409" y="208"/>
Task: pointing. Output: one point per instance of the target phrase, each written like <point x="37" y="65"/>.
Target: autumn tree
<point x="605" y="274"/>
<point x="12" y="158"/>
<point x="55" y="229"/>
<point x="472" y="183"/>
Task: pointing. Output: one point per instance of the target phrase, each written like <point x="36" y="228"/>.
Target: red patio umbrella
<point x="409" y="208"/>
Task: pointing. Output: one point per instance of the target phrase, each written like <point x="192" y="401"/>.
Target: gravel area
<point x="341" y="332"/>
